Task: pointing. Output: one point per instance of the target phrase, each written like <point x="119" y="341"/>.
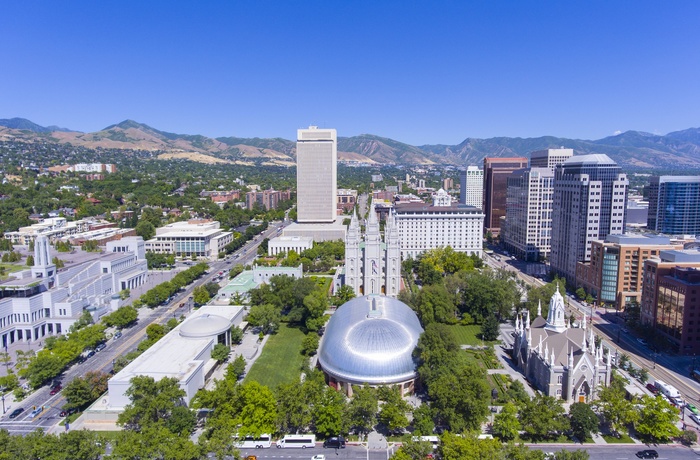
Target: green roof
<point x="241" y="283"/>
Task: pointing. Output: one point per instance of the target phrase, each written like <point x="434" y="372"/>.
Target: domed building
<point x="370" y="340"/>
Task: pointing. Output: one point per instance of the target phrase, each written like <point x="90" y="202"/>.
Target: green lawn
<point x="11" y="268"/>
<point x="281" y="359"/>
<point x="469" y="335"/>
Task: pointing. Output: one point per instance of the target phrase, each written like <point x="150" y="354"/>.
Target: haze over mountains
<point x="676" y="150"/>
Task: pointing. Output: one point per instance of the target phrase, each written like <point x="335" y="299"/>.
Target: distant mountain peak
<point x="23" y="123"/>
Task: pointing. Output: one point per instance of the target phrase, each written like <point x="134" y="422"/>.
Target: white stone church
<point x="560" y="360"/>
<point x="373" y="266"/>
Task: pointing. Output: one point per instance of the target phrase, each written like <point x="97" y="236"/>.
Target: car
<point x="692" y="408"/>
<point x="16" y="412"/>
<point x="66" y="412"/>
<point x="647" y="453"/>
<point x="117" y="334"/>
<point x="695" y="418"/>
<point x="36" y="411"/>
<point x="100" y="347"/>
<point x="651" y="387"/>
<point x="55" y="389"/>
<point x="318" y="457"/>
<point x="90" y="354"/>
<point x="642" y="341"/>
<point x="251" y="457"/>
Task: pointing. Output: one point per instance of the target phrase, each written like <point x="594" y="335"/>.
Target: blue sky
<point x="416" y="71"/>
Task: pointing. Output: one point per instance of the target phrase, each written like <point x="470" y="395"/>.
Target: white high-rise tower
<point x="317" y="170"/>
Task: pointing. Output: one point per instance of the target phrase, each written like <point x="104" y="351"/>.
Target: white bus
<point x="434" y="440"/>
<point x="264" y="441"/>
<point x="297" y="440"/>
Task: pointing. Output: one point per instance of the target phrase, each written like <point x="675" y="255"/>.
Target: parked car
<point x="16" y="412"/>
<point x="100" y="347"/>
<point x="647" y="453"/>
<point x="55" y="389"/>
<point x="117" y="334"/>
<point x="91" y="353"/>
<point x="695" y="418"/>
<point x="692" y="408"/>
<point x="66" y="412"/>
<point x="651" y="387"/>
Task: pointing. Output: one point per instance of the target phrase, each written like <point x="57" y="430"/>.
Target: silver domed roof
<point x="371" y="340"/>
<point x="207" y="325"/>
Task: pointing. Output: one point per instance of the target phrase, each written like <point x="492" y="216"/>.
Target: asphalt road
<point x="596" y="452"/>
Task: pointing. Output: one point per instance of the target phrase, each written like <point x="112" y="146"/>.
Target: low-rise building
<point x="284" y="244"/>
<point x="55" y="228"/>
<point x="346" y="200"/>
<point x="614" y="274"/>
<point x="268" y="199"/>
<point x="194" y="238"/>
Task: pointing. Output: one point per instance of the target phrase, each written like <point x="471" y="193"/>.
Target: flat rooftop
<point x="242" y="283"/>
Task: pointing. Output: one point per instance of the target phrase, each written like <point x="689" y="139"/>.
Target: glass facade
<point x="674" y="204"/>
<point x="608" y="288"/>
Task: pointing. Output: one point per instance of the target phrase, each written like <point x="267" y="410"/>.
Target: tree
<point x="236" y="369"/>
<point x="82" y="391"/>
<point x="657" y="420"/>
<point x="265" y="316"/>
<point x="490" y="328"/>
<point x="256" y="410"/>
<point x="145" y="230"/>
<point x="328" y="413"/>
<point x="122" y="317"/>
<point x="583" y="420"/>
<point x="393" y="413"/>
<point x="151" y="402"/>
<point x="423" y="424"/>
<point x="414" y="450"/>
<point x="362" y="409"/>
<point x="435" y="304"/>
<point x="617" y="411"/>
<point x="30" y="260"/>
<point x="200" y="295"/>
<point x="344" y="294"/>
<point x="543" y="417"/>
<point x="236" y="335"/>
<point x="220" y="352"/>
<point x="293" y="406"/>
<point x="505" y="424"/>
<point x="309" y="344"/>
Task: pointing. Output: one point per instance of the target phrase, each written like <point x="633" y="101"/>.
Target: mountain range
<point x="676" y="150"/>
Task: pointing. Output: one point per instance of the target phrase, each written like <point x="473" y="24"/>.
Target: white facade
<point x="373" y="266"/>
<point x="317" y="170"/>
<point x="550" y="158"/>
<point x="44" y="301"/>
<point x="590" y="197"/>
<point x="183" y="353"/>
<point x="53" y="228"/>
<point x="422" y="226"/>
<point x="471" y="187"/>
<point x="527" y="231"/>
<point x="284" y="244"/>
<point x="190" y="239"/>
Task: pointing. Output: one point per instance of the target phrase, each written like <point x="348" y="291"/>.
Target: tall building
<point x="670" y="299"/>
<point x="317" y="170"/>
<point x="496" y="173"/>
<point x="590" y="194"/>
<point x="614" y="274"/>
<point x="471" y="187"/>
<point x="527" y="230"/>
<point x="373" y="266"/>
<point x="550" y="158"/>
<point x="674" y="205"/>
<point x="422" y="226"/>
